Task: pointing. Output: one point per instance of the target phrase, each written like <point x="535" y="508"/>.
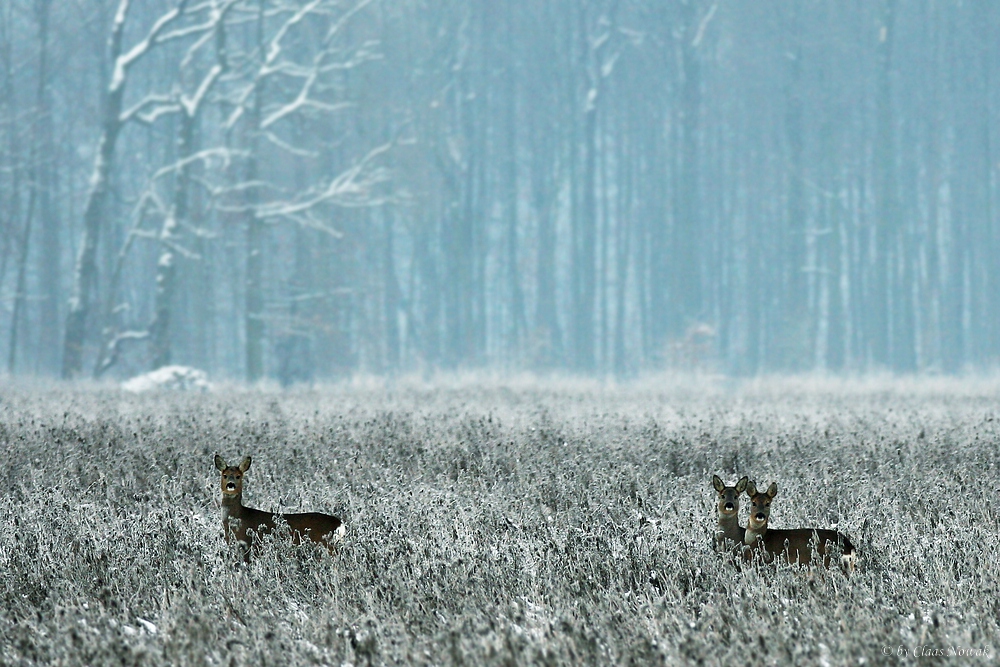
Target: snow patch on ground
<point x="174" y="378"/>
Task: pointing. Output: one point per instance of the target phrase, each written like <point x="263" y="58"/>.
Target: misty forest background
<point x="303" y="189"/>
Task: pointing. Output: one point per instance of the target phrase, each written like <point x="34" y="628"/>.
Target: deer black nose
<point x="760" y="516"/>
<point x="230" y="486"/>
<point x="729" y="507"/>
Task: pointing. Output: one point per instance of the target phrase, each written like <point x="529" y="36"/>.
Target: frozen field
<point x="498" y="522"/>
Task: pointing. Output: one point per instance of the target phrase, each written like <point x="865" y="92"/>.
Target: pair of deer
<point x="245" y="525"/>
<point x="758" y="541"/>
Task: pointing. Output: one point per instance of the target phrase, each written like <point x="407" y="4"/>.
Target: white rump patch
<point x="850" y="560"/>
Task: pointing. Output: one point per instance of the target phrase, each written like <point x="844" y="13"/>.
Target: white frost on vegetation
<point x="522" y="519"/>
<point x="146" y="625"/>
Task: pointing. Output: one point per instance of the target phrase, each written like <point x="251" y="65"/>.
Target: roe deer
<point x="238" y="520"/>
<point x="729" y="529"/>
<point x="796" y="545"/>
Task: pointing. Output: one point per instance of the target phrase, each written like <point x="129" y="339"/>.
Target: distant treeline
<point x="303" y="189"/>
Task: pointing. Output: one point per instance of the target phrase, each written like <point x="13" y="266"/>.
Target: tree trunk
<point x="799" y="272"/>
<point x="585" y="256"/>
<point x="38" y="191"/>
<point x="885" y="195"/>
<point x="516" y="317"/>
<point x="15" y="319"/>
<point x="85" y="272"/>
<point x="51" y="272"/>
<point x="254" y="299"/>
<point x="686" y="292"/>
<point x="543" y="185"/>
<point x="95" y="210"/>
<point x="254" y="304"/>
<point x="166" y="268"/>
<point x="624" y="161"/>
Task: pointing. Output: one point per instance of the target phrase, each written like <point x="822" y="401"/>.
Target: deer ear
<point x="220" y="463"/>
<point x="717" y="483"/>
<point x="245" y="464"/>
<point x="772" y="490"/>
<point x="742" y="484"/>
<point x="751" y="489"/>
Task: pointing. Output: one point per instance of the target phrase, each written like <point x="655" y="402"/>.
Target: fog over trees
<point x="303" y="189"/>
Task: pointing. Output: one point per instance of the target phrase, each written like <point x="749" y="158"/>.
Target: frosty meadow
<point x="498" y="522"/>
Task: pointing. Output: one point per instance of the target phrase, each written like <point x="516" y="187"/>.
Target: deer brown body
<point x="729" y="530"/>
<point x="245" y="525"/>
<point x="802" y="546"/>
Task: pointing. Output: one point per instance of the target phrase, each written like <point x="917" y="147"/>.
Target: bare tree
<point x="206" y="29"/>
<point x="285" y="86"/>
<point x="37" y="190"/>
<point x="177" y="218"/>
<point x="85" y="273"/>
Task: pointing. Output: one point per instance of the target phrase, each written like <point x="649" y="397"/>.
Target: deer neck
<point x="232" y="505"/>
<point x="752" y="535"/>
<point x="728" y="525"/>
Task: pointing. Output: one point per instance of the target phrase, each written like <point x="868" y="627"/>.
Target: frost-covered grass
<point x="497" y="521"/>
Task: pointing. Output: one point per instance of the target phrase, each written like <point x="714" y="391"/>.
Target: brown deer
<point x="729" y="530"/>
<point x="245" y="525"/>
<point x="796" y="545"/>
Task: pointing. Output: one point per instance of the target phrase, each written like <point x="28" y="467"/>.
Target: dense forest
<point x="304" y="189"/>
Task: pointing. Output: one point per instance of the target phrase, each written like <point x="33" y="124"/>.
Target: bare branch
<point x="178" y="248"/>
<point x="284" y="145"/>
<point x="351" y="188"/>
<point x="125" y="61"/>
<point x="191" y="104"/>
<point x="161" y="105"/>
<point x="112" y="351"/>
<point x="275" y="47"/>
<point x="703" y="25"/>
<point x="199" y="232"/>
<point x="271" y="63"/>
<point x="201" y="156"/>
<point x="302" y="101"/>
<point x="339" y="25"/>
<point x="216" y="16"/>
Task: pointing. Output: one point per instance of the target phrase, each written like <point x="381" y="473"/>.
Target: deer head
<point x="232" y="476"/>
<point x="729" y="496"/>
<point x="760" y="506"/>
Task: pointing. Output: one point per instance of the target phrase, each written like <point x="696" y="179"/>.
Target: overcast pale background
<point x="305" y="189"/>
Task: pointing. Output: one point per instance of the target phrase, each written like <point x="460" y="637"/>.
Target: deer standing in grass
<point x="243" y="525"/>
<point x="798" y="545"/>
<point x="729" y="529"/>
